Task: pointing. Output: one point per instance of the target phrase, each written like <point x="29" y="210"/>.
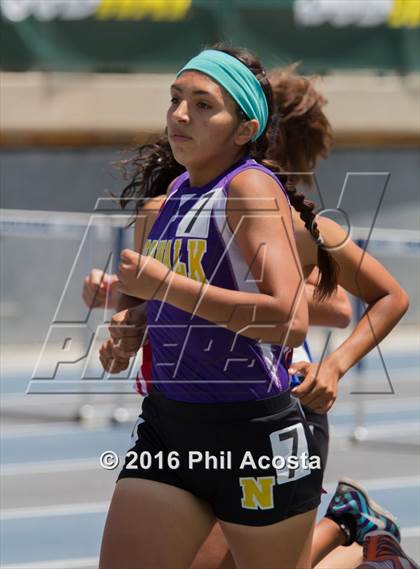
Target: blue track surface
<point x="28" y="537"/>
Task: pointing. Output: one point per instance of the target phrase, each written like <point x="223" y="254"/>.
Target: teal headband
<point x="237" y="79"/>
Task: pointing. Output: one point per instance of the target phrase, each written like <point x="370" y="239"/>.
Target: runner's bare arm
<point x="335" y="311"/>
<point x="364" y="277"/>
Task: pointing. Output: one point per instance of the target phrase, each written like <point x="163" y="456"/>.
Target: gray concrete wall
<point x="94" y="102"/>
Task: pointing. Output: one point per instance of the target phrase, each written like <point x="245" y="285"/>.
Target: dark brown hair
<point x="297" y="134"/>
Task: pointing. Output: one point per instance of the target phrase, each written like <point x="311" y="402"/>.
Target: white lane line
<point x="381" y="483"/>
<point x="392" y="405"/>
<point x="51" y="429"/>
<point x="41" y="429"/>
<point x="82" y="563"/>
<point x="49" y="466"/>
<point x="410" y="532"/>
<point x="64" y="398"/>
<point x="100" y="423"/>
<point x="56" y="510"/>
<point x="73" y="465"/>
<point x="100" y="507"/>
<point x="393" y="429"/>
<point x="92" y="562"/>
<point x="340" y="410"/>
<point x="19" y="398"/>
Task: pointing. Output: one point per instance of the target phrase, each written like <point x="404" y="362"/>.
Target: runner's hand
<point x="141" y="276"/>
<point x="96" y="286"/>
<point x="318" y="389"/>
<point x="110" y="361"/>
<point x="127" y="330"/>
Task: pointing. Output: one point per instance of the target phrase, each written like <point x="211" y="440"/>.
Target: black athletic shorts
<point x="318" y="423"/>
<point x="255" y="462"/>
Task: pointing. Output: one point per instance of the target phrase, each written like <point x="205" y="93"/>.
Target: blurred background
<point x="82" y="82"/>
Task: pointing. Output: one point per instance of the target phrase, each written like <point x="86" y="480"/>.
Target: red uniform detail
<point x="145" y="373"/>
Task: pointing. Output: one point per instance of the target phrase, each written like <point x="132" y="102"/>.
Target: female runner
<point x="236" y="399"/>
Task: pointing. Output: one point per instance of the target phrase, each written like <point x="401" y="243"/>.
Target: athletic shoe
<point x="352" y="507"/>
<point x="382" y="551"/>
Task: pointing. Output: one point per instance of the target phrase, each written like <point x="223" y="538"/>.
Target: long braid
<point x="328" y="268"/>
<point x="297" y="134"/>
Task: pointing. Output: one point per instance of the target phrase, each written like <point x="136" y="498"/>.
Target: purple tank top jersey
<point x="193" y="359"/>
